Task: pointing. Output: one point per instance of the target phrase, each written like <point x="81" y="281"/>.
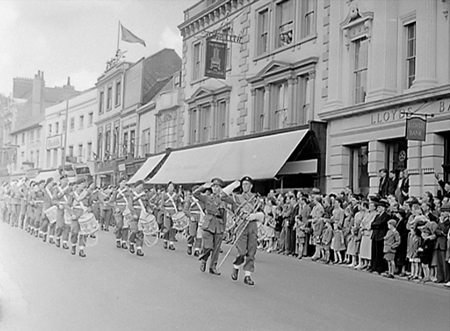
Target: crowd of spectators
<point x="390" y="233"/>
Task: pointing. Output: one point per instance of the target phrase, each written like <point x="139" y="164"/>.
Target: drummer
<point x="214" y="224"/>
<point x="121" y="200"/>
<point x="39" y="203"/>
<point x="170" y="201"/>
<point x="61" y="194"/>
<point x="193" y="211"/>
<point x="140" y="202"/>
<point x="81" y="205"/>
<point x="48" y="203"/>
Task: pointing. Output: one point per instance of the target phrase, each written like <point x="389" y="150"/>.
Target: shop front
<point x="366" y="138"/>
<point x="106" y="173"/>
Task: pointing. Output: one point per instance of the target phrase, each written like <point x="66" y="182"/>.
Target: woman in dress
<point x="365" y="251"/>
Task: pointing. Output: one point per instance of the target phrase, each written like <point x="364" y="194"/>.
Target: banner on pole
<point x="215" y="64"/>
<point x="416" y="129"/>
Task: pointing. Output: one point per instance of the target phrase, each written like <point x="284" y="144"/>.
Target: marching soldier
<point x="121" y="199"/>
<point x="214" y="224"/>
<point x="16" y="195"/>
<point x="39" y="205"/>
<point x="81" y="204"/>
<point x="245" y="204"/>
<point x="140" y="202"/>
<point x="106" y="207"/>
<point x="193" y="211"/>
<point x="48" y="197"/>
<point x="169" y="206"/>
<point x="23" y="190"/>
<point x="31" y="206"/>
<point x="61" y="195"/>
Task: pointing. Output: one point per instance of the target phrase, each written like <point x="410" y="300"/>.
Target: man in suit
<point x="402" y="187"/>
<point x="383" y="189"/>
<point x="443" y="268"/>
<point x="213" y="225"/>
<point x="379" y="229"/>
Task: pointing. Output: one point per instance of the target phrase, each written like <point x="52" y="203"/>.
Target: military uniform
<point x="194" y="212"/>
<point x="247" y="243"/>
<point x="38" y="209"/>
<point x="24" y="191"/>
<point x="169" y="206"/>
<point x="48" y="202"/>
<point x="140" y="202"/>
<point x="16" y="196"/>
<point x="62" y="195"/>
<point x="121" y="197"/>
<point x="81" y="202"/>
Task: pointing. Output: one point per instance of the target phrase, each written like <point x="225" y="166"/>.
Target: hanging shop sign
<point x="215" y="64"/>
<point x="224" y="37"/>
<point x="416" y="129"/>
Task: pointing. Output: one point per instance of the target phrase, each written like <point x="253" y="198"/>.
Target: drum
<point x="51" y="214"/>
<point x="88" y="224"/>
<point x="148" y="225"/>
<point x="180" y="221"/>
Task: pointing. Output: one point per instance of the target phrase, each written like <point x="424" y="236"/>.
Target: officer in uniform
<point x="121" y="199"/>
<point x="140" y="202"/>
<point x="194" y="212"/>
<point x="213" y="225"/>
<point x="245" y="205"/>
<point x="61" y="194"/>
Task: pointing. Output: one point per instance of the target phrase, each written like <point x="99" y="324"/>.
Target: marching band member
<point x="39" y="203"/>
<point x="81" y="204"/>
<point x="193" y="211"/>
<point x="23" y="189"/>
<point x="3" y="201"/>
<point x="121" y="198"/>
<point x="61" y="195"/>
<point x="30" y="209"/>
<point x="7" y="216"/>
<point x="213" y="225"/>
<point x="140" y="202"/>
<point x="96" y="201"/>
<point x="106" y="207"/>
<point x="247" y="243"/>
<point x="169" y="206"/>
<point x="48" y="197"/>
<point x="15" y="203"/>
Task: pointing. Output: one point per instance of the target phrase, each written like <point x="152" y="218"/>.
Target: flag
<point x="130" y="37"/>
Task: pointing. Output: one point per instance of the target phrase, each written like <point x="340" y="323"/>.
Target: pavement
<point x="44" y="288"/>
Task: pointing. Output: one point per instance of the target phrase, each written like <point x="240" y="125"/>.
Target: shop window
<point x="396" y="156"/>
<point x="359" y="174"/>
<point x="285" y="23"/>
<point x="360" y="69"/>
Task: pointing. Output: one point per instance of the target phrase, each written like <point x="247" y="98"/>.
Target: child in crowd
<point x="414" y="242"/>
<point x="426" y="248"/>
<point x="338" y="243"/>
<point x="327" y="237"/>
<point x="391" y="242"/>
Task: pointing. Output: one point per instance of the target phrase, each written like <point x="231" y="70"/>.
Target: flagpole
<point x="118" y="36"/>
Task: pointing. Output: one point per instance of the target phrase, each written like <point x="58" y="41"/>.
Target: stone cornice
<point x="439" y="92"/>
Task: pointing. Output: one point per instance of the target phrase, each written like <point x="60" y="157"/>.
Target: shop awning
<point x="260" y="158"/>
<point x="46" y="174"/>
<point x="299" y="167"/>
<point x="146" y="168"/>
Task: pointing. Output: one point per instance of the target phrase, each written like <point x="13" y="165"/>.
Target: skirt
<point x="365" y="251"/>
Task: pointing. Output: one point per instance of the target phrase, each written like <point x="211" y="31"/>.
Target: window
<point x="99" y="143"/>
<point x="89" y="151"/>
<point x="205" y="123"/>
<point x="259" y="109"/>
<point x="32" y="156"/>
<point x="90" y="119"/>
<point x="145" y="141"/>
<point x="81" y="121"/>
<point x="304" y="96"/>
<point x="49" y="131"/>
<point x="71" y="150"/>
<point x="56" y="127"/>
<point x="72" y="123"/>
<point x="55" y="158"/>
<point x="118" y="92"/>
<point x="125" y="144"/>
<point x="101" y="102"/>
<point x="281" y="97"/>
<point x="108" y="141"/>
<point x="410" y="54"/>
<point x="221" y="120"/>
<point x="109" y="98"/>
<point x="31" y="136"/>
<point x="227" y="31"/>
<point x="193" y="128"/>
<point x="359" y="170"/>
<point x="285" y="23"/>
<point x="396" y="156"/>
<point x="360" y="69"/>
<point x="263" y="32"/>
<point x="197" y="62"/>
<point x="38" y="135"/>
<point x="446" y="164"/>
<point x="80" y="150"/>
<point x="16" y="138"/>
<point x="176" y="80"/>
<point x="37" y="159"/>
<point x="23" y="138"/>
<point x="49" y="159"/>
<point x="132" y="142"/>
<point x="308" y="18"/>
<point x="115" y="139"/>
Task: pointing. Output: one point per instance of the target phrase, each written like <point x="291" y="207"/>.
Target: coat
<point x="383" y="187"/>
<point x="391" y="241"/>
<point x="441" y="235"/>
<point x="379" y="226"/>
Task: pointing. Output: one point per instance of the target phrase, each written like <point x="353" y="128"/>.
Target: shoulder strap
<point x="173" y="202"/>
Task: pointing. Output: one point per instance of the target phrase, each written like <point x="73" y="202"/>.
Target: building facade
<point x="388" y="61"/>
<point x="76" y="153"/>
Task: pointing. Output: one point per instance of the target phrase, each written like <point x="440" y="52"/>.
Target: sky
<point x="67" y="38"/>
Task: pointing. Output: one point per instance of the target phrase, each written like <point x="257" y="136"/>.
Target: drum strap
<point x="48" y="192"/>
<point x="173" y="202"/>
<point x="123" y="196"/>
<point x="198" y="206"/>
<point x="81" y="202"/>
<point x="62" y="191"/>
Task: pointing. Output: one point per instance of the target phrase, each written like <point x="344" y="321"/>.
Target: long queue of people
<point x="410" y="240"/>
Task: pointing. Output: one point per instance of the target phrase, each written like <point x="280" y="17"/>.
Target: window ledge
<point x="284" y="48"/>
